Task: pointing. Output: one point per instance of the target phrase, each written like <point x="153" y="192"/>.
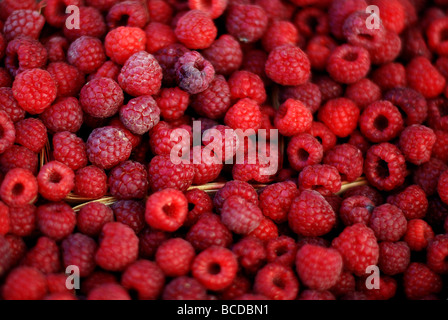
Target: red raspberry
<point x="345" y="285"/>
<point x="149" y="241"/>
<point x="158" y="36"/>
<point x="101" y="98"/>
<point x="356" y="209"/>
<point x="394" y="257"/>
<point x="30" y="133"/>
<point x="308" y="93"/>
<point x="289" y="58"/>
<point x="254" y="61"/>
<point x="385" y="166"/>
<point x="420" y="281"/>
<point x="437" y="253"/>
<point x="18" y="157"/>
<point x="224" y="54"/>
<point x="184" y="288"/>
<point x="160" y="11"/>
<point x="381" y="121"/>
<point x="436" y="113"/>
<point x="214" y="8"/>
<point x="175" y="257"/>
<point x="414" y="43"/>
<point x="348" y="64"/>
<point x="311" y="215"/>
<point x="440" y="147"/>
<point x="25" y="283"/>
<point x="347" y="159"/>
<point x="322" y="178"/>
<point x="108" y="69"/>
<point x="215" y="268"/>
<point x="340" y="10"/>
<point x="69" y="80"/>
<point x="315" y="295"/>
<point x="87" y="54"/>
<point x="412" y="103"/>
<point x="9" y="105"/>
<point x="196" y="30"/>
<point x="276" y="282"/>
<point x="60" y="296"/>
<point x="55" y="181"/>
<point x="135" y="139"/>
<point x="34" y="90"/>
<point x="90" y="182"/>
<point x="9" y="134"/>
<point x="207" y="166"/>
<point x="56" y="220"/>
<point x="363" y="93"/>
<point x="163" y="173"/>
<point x="118" y="247"/>
<point x="244" y="84"/>
<point x="416" y="142"/>
<point x="69" y="150"/>
<point x="121" y="43"/>
<point x="194" y="74"/>
<point x="24" y="53"/>
<point x="23" y="23"/>
<point x="79" y="250"/>
<point x="140" y="115"/>
<point x="141" y="75"/>
<point x="418" y="234"/>
<point x="277" y="9"/>
<point x="280" y="33"/>
<point x="240" y="216"/>
<point x="9" y="6"/>
<point x="359" y="141"/>
<point x="244" y="115"/>
<point x="160" y="137"/>
<point x="318" y="51"/>
<point x="167" y="58"/>
<point x="92" y="217"/>
<point x="127" y="13"/>
<point x="442" y="186"/>
<point x="4" y="219"/>
<point x="427" y="175"/>
<point x="6" y="255"/>
<point x="387" y="50"/>
<point x="276" y="200"/>
<point x="130" y="213"/>
<point x="199" y="202"/>
<point x="54" y="11"/>
<point x="293" y="118"/>
<point x="145" y="277"/>
<point x="318" y="268"/>
<point x="246" y="22"/>
<point x="358" y="247"/>
<point x="209" y="231"/>
<point x="172" y="103"/>
<point x="324" y="135"/>
<point x="235" y="188"/>
<point x="56" y="284"/>
<point x="57" y="47"/>
<point x="64" y="115"/>
<point x="19" y="187"/>
<point x="108" y="291"/>
<point x="329" y="88"/>
<point x="22" y="220"/>
<point x="358" y="32"/>
<point x="96" y="279"/>
<point x="281" y="250"/>
<point x="304" y="150"/>
<point x="128" y="180"/>
<point x="107" y="147"/>
<point x="91" y="23"/>
<point x="340" y="116"/>
<point x="434" y="33"/>
<point x="390" y="76"/>
<point x="423" y="77"/>
<point x="393" y="14"/>
<point x="251" y="254"/>
<point x="388" y="223"/>
<point x="44" y="256"/>
<point x="214" y="101"/>
<point x="240" y="285"/>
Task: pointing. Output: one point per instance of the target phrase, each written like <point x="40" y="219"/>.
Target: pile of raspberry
<point x="356" y="210"/>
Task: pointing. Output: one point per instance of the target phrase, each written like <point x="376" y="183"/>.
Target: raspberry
<point x="9" y="105"/>
<point x="149" y="241"/>
<point x="244" y="84"/>
<point x="240" y="216"/>
<point x="44" y="256"/>
<point x="280" y="33"/>
<point x="414" y="43"/>
<point x="9" y="6"/>
<point x="345" y="284"/>
<point x="175" y="257"/>
<point x="442" y="186"/>
<point x="207" y="166"/>
<point x="390" y="76"/>
<point x="23" y="23"/>
<point x="392" y="14"/>
<point x="318" y="51"/>
<point x="196" y="30"/>
<point x="135" y="139"/>
<point x="431" y="84"/>
<point x="244" y="115"/>
<point x="235" y="188"/>
<point x="91" y="23"/>
<point x="56" y="284"/>
<point x="418" y="234"/>
<point x="158" y="36"/>
<point x="96" y="279"/>
<point x="340" y="116"/>
<point x="34" y="90"/>
<point x="359" y="141"/>
<point x="172" y="103"/>
<point x="412" y="103"/>
<point x="310" y="215"/>
<point x="225" y="135"/>
<point x="184" y="288"/>
<point x="108" y="291"/>
<point x="64" y="115"/>
<point x="419" y="281"/>
<point x="194" y="74"/>
<point x="394" y="257"/>
<point x="130" y="213"/>
<point x="224" y="54"/>
<point x="381" y="121"/>
<point x="79" y="250"/>
<point x="199" y="202"/>
<point x="9" y="134"/>
<point x="25" y="283"/>
<point x="4" y="219"/>
<point x="437" y="253"/>
<point x="107" y="147"/>
<point x="427" y="175"/>
<point x="347" y="159"/>
<point x="101" y="98"/>
<point x="293" y="118"/>
<point x="254" y="61"/>
<point x="127" y="13"/>
<point x="6" y="257"/>
<point x="141" y="75"/>
<point x="214" y="101"/>
<point x="385" y="166"/>
<point x="54" y="11"/>
<point x="57" y="47"/>
<point x="324" y="135"/>
<point x="121" y="43"/>
<point x="339" y="11"/>
<point x="163" y="173"/>
<point x="108" y="69"/>
<point x="92" y="217"/>
<point x="214" y="8"/>
<point x="348" y="64"/>
<point x="388" y="223"/>
<point x="90" y="182"/>
<point x="215" y="268"/>
<point x="18" y="157"/>
<point x="56" y="220"/>
<point x="276" y="200"/>
<point x="30" y="133"/>
<point x="103" y="5"/>
<point x="128" y="180"/>
<point x="356" y="209"/>
<point x="87" y="54"/>
<point x="357" y="31"/>
<point x="308" y="93"/>
<point x="160" y="137"/>
<point x="289" y="58"/>
<point x="23" y="54"/>
<point x="304" y="150"/>
<point x="240" y="285"/>
<point x="440" y="147"/>
<point x="246" y="22"/>
<point x="167" y="58"/>
<point x="152" y="285"/>
<point x="209" y="231"/>
<point x="329" y="88"/>
<point x="387" y="50"/>
<point x="69" y="150"/>
<point x="363" y="93"/>
<point x="19" y="187"/>
<point x="416" y="142"/>
<point x="55" y="181"/>
<point x="358" y="247"/>
<point x="276" y="282"/>
<point x="324" y="179"/>
<point x="434" y="33"/>
<point x="436" y="114"/>
<point x="140" y="115"/>
<point x="22" y="220"/>
<point x="251" y="254"/>
<point x="69" y="80"/>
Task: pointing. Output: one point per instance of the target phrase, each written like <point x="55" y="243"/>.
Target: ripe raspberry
<point x="240" y="285"/>
<point x="304" y="150"/>
<point x="393" y="14"/>
<point x="175" y="257"/>
<point x="128" y="180"/>
<point x="214" y="101"/>
<point x="414" y="43"/>
<point x="209" y="231"/>
<point x="420" y="281"/>
<point x="442" y="186"/>
<point x="437" y="253"/>
<point x="311" y="215"/>
<point x="308" y="93"/>
<point x="289" y="58"/>
<point x="418" y="234"/>
<point x="347" y="159"/>
<point x="244" y="84"/>
<point x="277" y="9"/>
<point x="163" y="173"/>
<point x="19" y="188"/>
<point x="388" y="223"/>
<point x="412" y="103"/>
<point x="318" y="51"/>
<point x="172" y="103"/>
<point x="141" y="75"/>
<point x="324" y="135"/>
<point x="184" y="288"/>
<point x="322" y="178"/>
<point x="193" y="73"/>
<point x="254" y="61"/>
<point x="92" y="217"/>
<point x="6" y="255"/>
<point x="340" y="116"/>
<point x="91" y="23"/>
<point x="44" y="256"/>
<point x="207" y="166"/>
<point x="345" y="285"/>
<point x="56" y="284"/>
<point x="149" y="241"/>
<point x="55" y="181"/>
<point x="140" y="115"/>
<point x="145" y="277"/>
<point x="359" y="141"/>
<point x="356" y="209"/>
<point x="390" y="76"/>
<point x="348" y="64"/>
<point x="251" y="254"/>
<point x="160" y="137"/>
<point x="107" y="147"/>
<point x="54" y="11"/>
<point x="69" y="150"/>
<point x="56" y="220"/>
<point x="276" y="200"/>
<point x="427" y="175"/>
<point x="267" y="230"/>
<point x="9" y="105"/>
<point x="246" y="22"/>
<point x="96" y="279"/>
<point x="18" y="157"/>
<point x="329" y="88"/>
<point x="281" y="250"/>
<point x="64" y="115"/>
<point x="423" y="77"/>
<point x="25" y="283"/>
<point x="161" y="11"/>
<point x="158" y="36"/>
<point x="340" y="10"/>
<point x="4" y="219"/>
<point x="358" y="247"/>
<point x="363" y="93"/>
<point x="167" y="58"/>
<point x="215" y="268"/>
<point x="213" y="8"/>
<point x="9" y="6"/>
<point x="34" y="90"/>
<point x="381" y="121"/>
<point x="416" y="142"/>
<point x="196" y="30"/>
<point x="57" y="47"/>
<point x="235" y="188"/>
<point x="69" y="80"/>
<point x="199" y="202"/>
<point x="387" y="50"/>
<point x="358" y="32"/>
<point x="394" y="257"/>
<point x="101" y="98"/>
<point x="224" y="54"/>
<point x="22" y="220"/>
<point x="108" y="291"/>
<point x="118" y="247"/>
<point x="127" y="13"/>
<point x="87" y="54"/>
<point x="280" y="33"/>
<point x="244" y="115"/>
<point x="440" y="147"/>
<point x="24" y="53"/>
<point x="437" y="118"/>
<point x="434" y="33"/>
<point x="240" y="216"/>
<point x="23" y="23"/>
<point x="130" y="213"/>
<point x="121" y="43"/>
<point x="276" y="282"/>
<point x="79" y="250"/>
<point x="30" y="133"/>
<point x="293" y="118"/>
<point x="90" y="182"/>
<point x="385" y="166"/>
<point x="9" y="134"/>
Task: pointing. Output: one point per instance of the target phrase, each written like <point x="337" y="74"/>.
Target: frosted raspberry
<point x="90" y="182"/>
<point x="146" y="278"/>
<point x="101" y="98"/>
<point x="240" y="216"/>
<point x="56" y="220"/>
<point x="193" y="73"/>
<point x="175" y="257"/>
<point x="25" y="283"/>
<point x="167" y="58"/>
<point x="140" y="115"/>
<point x="276" y="282"/>
<point x="128" y="180"/>
<point x="246" y="22"/>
